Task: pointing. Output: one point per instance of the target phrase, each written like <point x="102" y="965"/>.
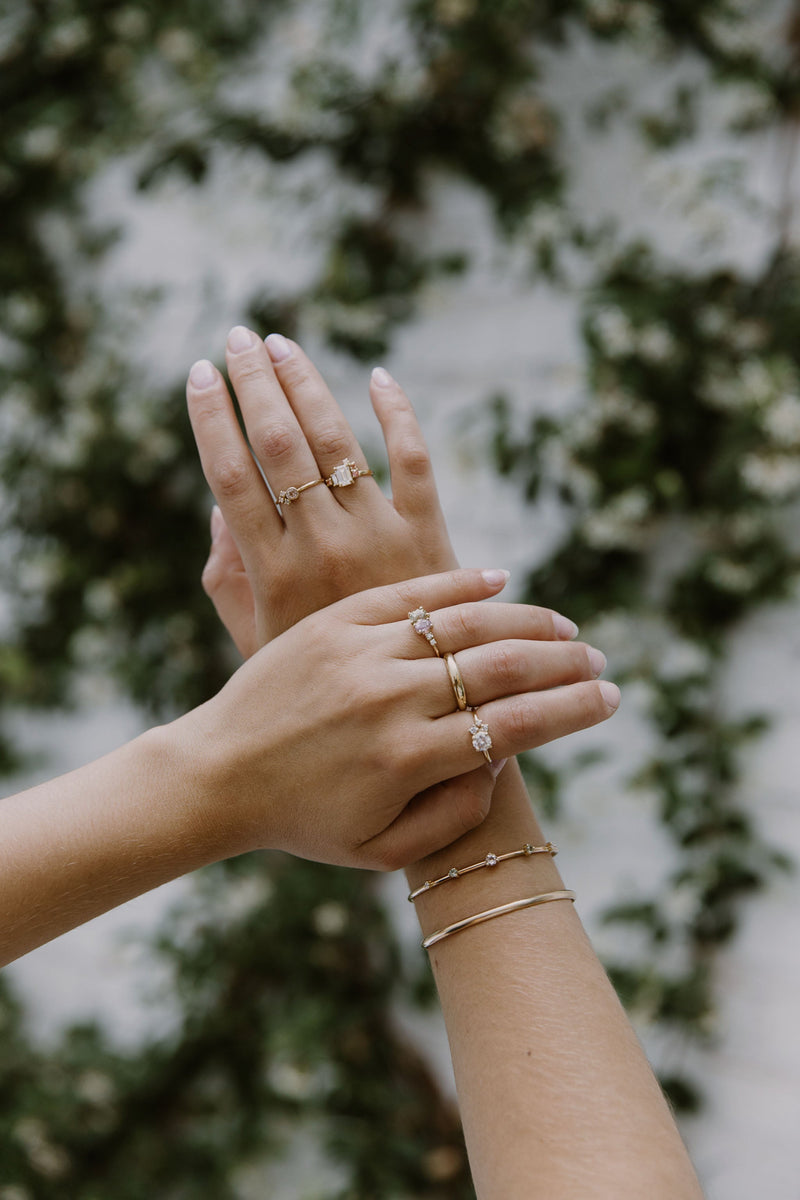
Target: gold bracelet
<point x="491" y="860"/>
<point x="514" y="906"/>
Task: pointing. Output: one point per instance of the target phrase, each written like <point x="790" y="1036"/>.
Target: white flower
<point x="330" y="919"/>
<point x="656" y="343"/>
<point x="41" y="144"/>
<point x="782" y="420"/>
<point x="615" y="331"/>
<point x="731" y="576"/>
<point x="775" y="478"/>
<point x="68" y="37"/>
<point x="620" y="523"/>
<point x="178" y="46"/>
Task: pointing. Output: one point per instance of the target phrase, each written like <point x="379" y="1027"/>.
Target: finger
<point x="273" y="430"/>
<point x="433" y="819"/>
<point x="378" y="606"/>
<point x="508" y="668"/>
<point x="227" y="462"/>
<point x="475" y="624"/>
<point x="516" y="724"/>
<point x="225" y="582"/>
<point x="325" y="426"/>
<point x="413" y="485"/>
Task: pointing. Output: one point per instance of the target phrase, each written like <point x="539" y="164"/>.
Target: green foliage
<point x="674" y="478"/>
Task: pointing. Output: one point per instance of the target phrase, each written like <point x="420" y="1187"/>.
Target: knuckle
<point x="473" y="807"/>
<point x="465" y="626"/>
<point x="506" y="666"/>
<point x="248" y="369"/>
<point x="229" y="477"/>
<point x="520" y="721"/>
<point x="212" y="576"/>
<point x="275" y="443"/>
<point x="333" y="441"/>
<point x="414" y="458"/>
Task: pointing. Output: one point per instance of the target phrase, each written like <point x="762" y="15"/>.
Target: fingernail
<point x="217" y="523"/>
<point x="496" y="767"/>
<point x="597" y="660"/>
<point x="277" y="347"/>
<point x="240" y="338"/>
<point x="496" y="578"/>
<point x="381" y="377"/>
<point x="202" y="374"/>
<point x="611" y="693"/>
<point x="565" y="628"/>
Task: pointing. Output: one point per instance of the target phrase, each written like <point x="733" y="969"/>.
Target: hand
<point x="330" y="542"/>
<point x="325" y="741"/>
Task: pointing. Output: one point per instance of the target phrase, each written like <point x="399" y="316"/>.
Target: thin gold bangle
<point x="491" y="860"/>
<point x="514" y="906"/>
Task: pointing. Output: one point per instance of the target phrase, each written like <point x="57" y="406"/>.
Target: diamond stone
<point x="343" y="475"/>
<point x="423" y="624"/>
<point x="291" y="494"/>
<point x="481" y="740"/>
<point x="491" y="860"/>
<point x="528" y="848"/>
<point x="453" y="872"/>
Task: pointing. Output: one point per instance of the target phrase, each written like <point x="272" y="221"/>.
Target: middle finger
<point x="273" y="430"/>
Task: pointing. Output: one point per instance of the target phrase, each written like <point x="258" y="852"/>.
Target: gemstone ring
<point x="422" y="624"/>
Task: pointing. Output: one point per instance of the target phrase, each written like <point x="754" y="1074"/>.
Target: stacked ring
<point x="290" y="494"/>
<point x="457" y="682"/>
<point x="345" y="473"/>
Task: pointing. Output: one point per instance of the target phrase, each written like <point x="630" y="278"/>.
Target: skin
<point x="557" y="1098"/>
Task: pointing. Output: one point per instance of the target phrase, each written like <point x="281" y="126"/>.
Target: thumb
<point x="226" y="584"/>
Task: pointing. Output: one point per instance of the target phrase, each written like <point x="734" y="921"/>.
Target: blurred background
<point x="569" y="229"/>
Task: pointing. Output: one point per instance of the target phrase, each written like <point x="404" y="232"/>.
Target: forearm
<point x="557" y="1097"/>
<point x="78" y="845"/>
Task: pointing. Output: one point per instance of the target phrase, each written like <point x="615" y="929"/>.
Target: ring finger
<point x="485" y="673"/>
<point x="325" y="426"/>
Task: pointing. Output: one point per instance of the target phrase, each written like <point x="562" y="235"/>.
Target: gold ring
<point x="345" y="473"/>
<point x="457" y="682"/>
<point x="481" y="738"/>
<point x="290" y="494"/>
<point x="422" y="624"/>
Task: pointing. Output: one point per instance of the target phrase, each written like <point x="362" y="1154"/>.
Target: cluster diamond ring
<point x="481" y="738"/>
<point x="290" y="494"/>
<point x="345" y="473"/>
<point x="422" y="624"/>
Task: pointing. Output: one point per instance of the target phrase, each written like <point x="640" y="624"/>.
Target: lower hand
<point x="331" y="741"/>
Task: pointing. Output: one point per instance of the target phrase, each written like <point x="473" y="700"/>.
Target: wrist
<point x="510" y="825"/>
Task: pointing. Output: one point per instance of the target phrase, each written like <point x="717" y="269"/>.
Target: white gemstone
<point x="291" y="494"/>
<point x="423" y="625"/>
<point x="481" y="740"/>
<point x="453" y="872"/>
<point x="491" y="860"/>
<point x="343" y="475"/>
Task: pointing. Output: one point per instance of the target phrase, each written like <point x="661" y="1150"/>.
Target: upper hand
<point x="271" y="565"/>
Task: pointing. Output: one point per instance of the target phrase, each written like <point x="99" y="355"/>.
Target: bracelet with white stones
<point x="491" y="860"/>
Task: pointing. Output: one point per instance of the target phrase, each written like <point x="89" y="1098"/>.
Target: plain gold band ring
<point x="459" y="690"/>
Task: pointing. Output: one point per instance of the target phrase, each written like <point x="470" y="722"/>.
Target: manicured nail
<point x="240" y="338"/>
<point x="202" y="374"/>
<point x="611" y="693"/>
<point x="597" y="660"/>
<point x="496" y="578"/>
<point x="217" y="523"/>
<point x="277" y="347"/>
<point x="496" y="767"/>
<point x="564" y="628"/>
<point x="381" y="377"/>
